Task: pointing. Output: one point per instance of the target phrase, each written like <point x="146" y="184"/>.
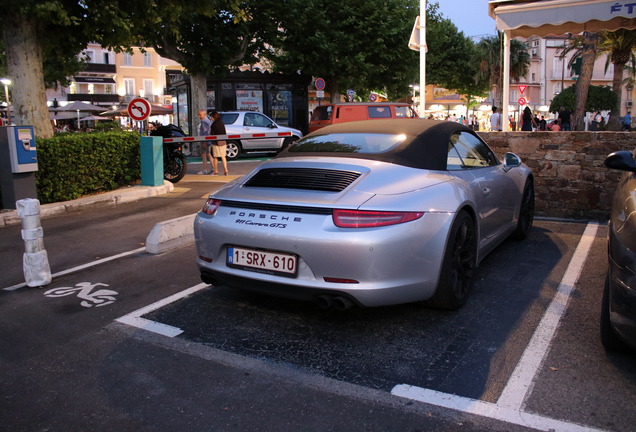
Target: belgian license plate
<point x="262" y="261"/>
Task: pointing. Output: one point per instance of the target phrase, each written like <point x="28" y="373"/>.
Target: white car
<point x="245" y="122"/>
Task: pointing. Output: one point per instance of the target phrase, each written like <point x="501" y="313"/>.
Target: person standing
<point x="564" y="119"/>
<point x="219" y="149"/>
<point x="527" y="120"/>
<point x="627" y="121"/>
<point x="204" y="129"/>
<point x="495" y="120"/>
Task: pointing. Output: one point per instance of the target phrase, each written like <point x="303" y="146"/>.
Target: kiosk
<point x="18" y="164"/>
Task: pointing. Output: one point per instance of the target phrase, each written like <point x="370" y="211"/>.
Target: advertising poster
<point x="183" y="112"/>
<point x="280" y="103"/>
<point x="211" y="97"/>
<point x="249" y="100"/>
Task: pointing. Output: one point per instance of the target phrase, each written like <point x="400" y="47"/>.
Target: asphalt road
<point x="139" y="343"/>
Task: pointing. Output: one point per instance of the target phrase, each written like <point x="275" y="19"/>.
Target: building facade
<point x="113" y="78"/>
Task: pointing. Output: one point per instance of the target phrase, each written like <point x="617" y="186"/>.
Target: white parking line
<point x="82" y="267"/>
<point x="134" y="318"/>
<point x="509" y="406"/>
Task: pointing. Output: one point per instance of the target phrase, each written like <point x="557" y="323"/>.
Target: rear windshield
<point x="322" y="113"/>
<point x="229" y="119"/>
<point x="348" y="143"/>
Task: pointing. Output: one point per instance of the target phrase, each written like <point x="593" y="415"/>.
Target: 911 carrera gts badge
<point x="264" y="220"/>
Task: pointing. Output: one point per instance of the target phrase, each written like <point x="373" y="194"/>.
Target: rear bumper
<point x="400" y="264"/>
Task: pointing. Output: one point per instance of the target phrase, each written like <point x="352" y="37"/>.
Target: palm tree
<point x="619" y="47"/>
<point x="585" y="48"/>
<point x="489" y="58"/>
<point x="630" y="81"/>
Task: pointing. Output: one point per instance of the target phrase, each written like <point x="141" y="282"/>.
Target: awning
<point x="558" y="17"/>
<point x="94" y="80"/>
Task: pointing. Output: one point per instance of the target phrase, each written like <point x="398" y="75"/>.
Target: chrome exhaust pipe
<point x="342" y="303"/>
<point x="324" y="301"/>
<point x="208" y="278"/>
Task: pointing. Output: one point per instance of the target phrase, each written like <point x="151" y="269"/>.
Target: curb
<point x="171" y="234"/>
<point x="118" y="196"/>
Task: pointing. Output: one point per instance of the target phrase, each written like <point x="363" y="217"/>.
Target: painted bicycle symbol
<point x="101" y="297"/>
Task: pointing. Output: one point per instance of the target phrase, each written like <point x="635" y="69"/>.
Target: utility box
<point x="18" y="164"/>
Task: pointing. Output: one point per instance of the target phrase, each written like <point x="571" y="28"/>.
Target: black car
<point x="618" y="313"/>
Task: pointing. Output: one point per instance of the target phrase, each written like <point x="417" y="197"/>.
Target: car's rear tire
<point x="609" y="338"/>
<point x="526" y="212"/>
<point x="458" y="265"/>
<point x="233" y="150"/>
<point x="288" y="141"/>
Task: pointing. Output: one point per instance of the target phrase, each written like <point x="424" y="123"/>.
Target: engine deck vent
<point x="303" y="178"/>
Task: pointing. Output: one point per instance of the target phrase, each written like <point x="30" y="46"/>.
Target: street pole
<point x="6" y="83"/>
<point x="422" y="57"/>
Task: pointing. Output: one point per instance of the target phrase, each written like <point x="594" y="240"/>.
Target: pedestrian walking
<point x="527" y="120"/>
<point x="219" y="149"/>
<point x="495" y="120"/>
<point x="565" y="117"/>
<point x="627" y="121"/>
<point x="204" y="129"/>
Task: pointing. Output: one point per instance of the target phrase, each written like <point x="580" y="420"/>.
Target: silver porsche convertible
<point x="369" y="214"/>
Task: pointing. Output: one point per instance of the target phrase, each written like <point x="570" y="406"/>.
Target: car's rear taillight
<point x="371" y="219"/>
<point x="211" y="205"/>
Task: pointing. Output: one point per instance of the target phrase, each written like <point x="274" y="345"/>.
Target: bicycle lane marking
<point x="135" y="319"/>
<point x="509" y="406"/>
<point x="82" y="267"/>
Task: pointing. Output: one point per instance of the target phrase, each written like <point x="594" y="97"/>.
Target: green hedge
<point x="76" y="164"/>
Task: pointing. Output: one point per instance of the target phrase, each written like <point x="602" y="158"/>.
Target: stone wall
<point x="571" y="180"/>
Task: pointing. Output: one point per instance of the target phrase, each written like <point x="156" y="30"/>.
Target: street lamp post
<point x="6" y="83"/>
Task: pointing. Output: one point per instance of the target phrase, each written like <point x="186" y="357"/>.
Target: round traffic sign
<point x="139" y="109"/>
<point x="320" y="83"/>
<point x="522" y="101"/>
<point x="373" y="97"/>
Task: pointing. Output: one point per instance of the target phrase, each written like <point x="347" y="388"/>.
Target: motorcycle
<point x="175" y="164"/>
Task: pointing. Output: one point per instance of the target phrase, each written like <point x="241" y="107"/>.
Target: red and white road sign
<point x="522" y="88"/>
<point x="522" y="101"/>
<point x="228" y="137"/>
<point x="373" y="97"/>
<point x="139" y="109"/>
<point x="319" y="83"/>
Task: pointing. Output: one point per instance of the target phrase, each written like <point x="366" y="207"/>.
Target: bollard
<point x="35" y="261"/>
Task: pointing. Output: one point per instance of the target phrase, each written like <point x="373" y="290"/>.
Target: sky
<point x="470" y="16"/>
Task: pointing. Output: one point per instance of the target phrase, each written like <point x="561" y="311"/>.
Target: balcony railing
<point x="93" y="98"/>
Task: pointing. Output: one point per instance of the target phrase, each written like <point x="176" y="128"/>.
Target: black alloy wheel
<point x="526" y="212"/>
<point x="458" y="265"/>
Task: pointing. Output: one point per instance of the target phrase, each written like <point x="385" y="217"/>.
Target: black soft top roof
<point x="425" y="146"/>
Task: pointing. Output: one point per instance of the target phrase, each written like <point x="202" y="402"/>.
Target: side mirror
<point x="621" y="160"/>
<point x="511" y="160"/>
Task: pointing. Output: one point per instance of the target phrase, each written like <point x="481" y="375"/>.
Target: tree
<point x="350" y="43"/>
<point x="59" y="30"/>
<point x="587" y="53"/>
<point x="450" y="62"/>
<point x="600" y="98"/>
<point x="490" y="56"/>
<point x="25" y="30"/>
<point x="204" y="40"/>
<point x="619" y="47"/>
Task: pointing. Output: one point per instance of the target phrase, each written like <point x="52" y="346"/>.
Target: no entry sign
<point x="139" y="109"/>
